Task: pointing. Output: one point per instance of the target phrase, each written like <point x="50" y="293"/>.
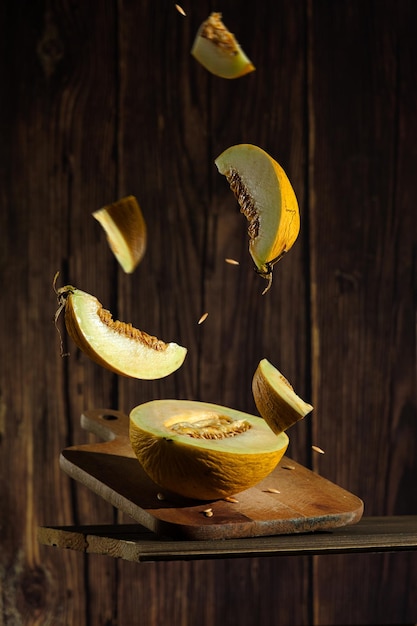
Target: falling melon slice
<point x="275" y="398"/>
<point x="115" y="345"/>
<point x="125" y="227"/>
<point x="201" y="450"/>
<point x="218" y="51"/>
<point x="267" y="200"/>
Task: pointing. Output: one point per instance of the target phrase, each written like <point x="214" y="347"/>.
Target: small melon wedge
<point x="125" y="227"/>
<point x="115" y="345"/>
<point x="201" y="450"/>
<point x="267" y="200"/>
<point x="275" y="398"/>
<point x="218" y="51"/>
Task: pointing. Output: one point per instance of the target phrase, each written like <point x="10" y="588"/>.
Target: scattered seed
<point x="317" y="449"/>
<point x="203" y="318"/>
<point x="208" y="512"/>
<point x="288" y="467"/>
<point x="231" y="499"/>
<point x="232" y="261"/>
<point x="160" y="496"/>
<point x="180" y="9"/>
<point x="272" y="490"/>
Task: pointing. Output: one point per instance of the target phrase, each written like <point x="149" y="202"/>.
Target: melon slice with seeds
<point x="217" y="49"/>
<point x="115" y="345"/>
<point x="267" y="200"/>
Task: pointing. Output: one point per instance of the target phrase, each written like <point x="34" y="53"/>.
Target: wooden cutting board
<point x="292" y="499"/>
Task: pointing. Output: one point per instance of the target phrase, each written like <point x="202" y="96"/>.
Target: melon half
<point x="201" y="450"/>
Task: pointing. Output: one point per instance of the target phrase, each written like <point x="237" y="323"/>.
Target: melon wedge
<point x="125" y="228"/>
<point x="216" y="49"/>
<point x="201" y="450"/>
<point x="267" y="200"/>
<point x="116" y="345"/>
<point x="275" y="398"/>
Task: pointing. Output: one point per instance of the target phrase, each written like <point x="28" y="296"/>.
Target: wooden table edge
<point x="133" y="542"/>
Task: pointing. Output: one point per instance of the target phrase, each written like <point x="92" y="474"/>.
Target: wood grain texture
<point x="363" y="280"/>
<point x="101" y="100"/>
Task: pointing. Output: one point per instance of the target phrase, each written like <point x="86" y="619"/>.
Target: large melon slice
<point x="267" y="200"/>
<point x="116" y="345"/>
<point x="201" y="450"/>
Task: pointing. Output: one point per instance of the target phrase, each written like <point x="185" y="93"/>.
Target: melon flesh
<point x="208" y="466"/>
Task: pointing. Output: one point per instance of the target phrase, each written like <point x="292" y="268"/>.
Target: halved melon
<point x="267" y="200"/>
<point x="201" y="450"/>
<point x="125" y="227"/>
<point x="275" y="398"/>
<point x="218" y="51"/>
<point x="116" y="345"/>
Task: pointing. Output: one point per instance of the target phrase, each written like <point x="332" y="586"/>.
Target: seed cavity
<point x="128" y="330"/>
<point x="209" y="426"/>
<point x="214" y="30"/>
<point x="245" y="200"/>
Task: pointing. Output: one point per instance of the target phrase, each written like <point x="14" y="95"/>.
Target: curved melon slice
<point x="125" y="227"/>
<point x="115" y="345"/>
<point x="275" y="398"/>
<point x="267" y="200"/>
<point x="201" y="450"/>
<point x="218" y="51"/>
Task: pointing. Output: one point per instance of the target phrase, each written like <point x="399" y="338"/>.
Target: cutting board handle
<point x="106" y="423"/>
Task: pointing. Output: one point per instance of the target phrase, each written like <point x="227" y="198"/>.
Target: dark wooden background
<point x="103" y="99"/>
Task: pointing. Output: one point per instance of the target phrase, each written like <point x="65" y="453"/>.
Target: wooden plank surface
<point x="136" y="543"/>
